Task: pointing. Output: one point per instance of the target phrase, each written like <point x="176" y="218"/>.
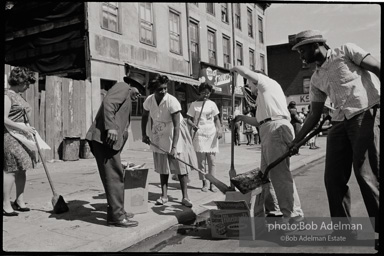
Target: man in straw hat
<point x="107" y="136"/>
<point x="342" y="75"/>
<point x="276" y="131"/>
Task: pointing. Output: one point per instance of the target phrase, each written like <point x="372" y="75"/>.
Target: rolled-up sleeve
<point x="315" y="94"/>
<point x="354" y="52"/>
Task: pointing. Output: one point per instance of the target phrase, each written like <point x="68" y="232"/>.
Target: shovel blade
<point x="59" y="205"/>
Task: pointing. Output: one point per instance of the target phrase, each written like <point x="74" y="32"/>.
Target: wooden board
<point x="65" y="105"/>
<point x="49" y="115"/>
<point x="57" y="118"/>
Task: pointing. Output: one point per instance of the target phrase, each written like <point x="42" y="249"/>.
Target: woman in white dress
<point x="169" y="132"/>
<point x="206" y="124"/>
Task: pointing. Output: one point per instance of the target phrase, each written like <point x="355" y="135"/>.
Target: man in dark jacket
<point x="107" y="136"/>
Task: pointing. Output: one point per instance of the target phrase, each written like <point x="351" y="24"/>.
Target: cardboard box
<point x="234" y="216"/>
<point x="136" y="190"/>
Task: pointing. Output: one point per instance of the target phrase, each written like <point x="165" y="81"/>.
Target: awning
<point x="172" y="77"/>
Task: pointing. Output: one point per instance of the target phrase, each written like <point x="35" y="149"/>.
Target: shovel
<point x="246" y="182"/>
<point x="59" y="205"/>
<point x="220" y="185"/>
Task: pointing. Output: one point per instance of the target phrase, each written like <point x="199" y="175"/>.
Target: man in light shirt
<point x="276" y="131"/>
<point x="353" y="141"/>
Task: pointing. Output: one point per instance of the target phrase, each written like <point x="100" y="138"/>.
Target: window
<point x="194" y="37"/>
<point x="226" y="50"/>
<point x="250" y="23"/>
<point x="212" y="46"/>
<point x="224" y="12"/>
<point x="211" y="8"/>
<point x="147" y="34"/>
<point x="251" y="59"/>
<point x="110" y="16"/>
<point x="237" y="16"/>
<point x="306" y="83"/>
<point x="239" y="53"/>
<point x="261" y="34"/>
<point x="262" y="63"/>
<point x="105" y="85"/>
<point x="174" y="32"/>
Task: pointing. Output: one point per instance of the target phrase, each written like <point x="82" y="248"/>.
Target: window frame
<point x="175" y="13"/>
<point x="152" y="24"/>
<point x="225" y="37"/>
<point x="261" y="29"/>
<point x="213" y="9"/>
<point x="226" y="13"/>
<point x="213" y="31"/>
<point x="239" y="54"/>
<point x="251" y="61"/>
<point x="262" y="62"/>
<point x="118" y="23"/>
<point x="237" y="16"/>
<point x="195" y="23"/>
<point x="250" y="25"/>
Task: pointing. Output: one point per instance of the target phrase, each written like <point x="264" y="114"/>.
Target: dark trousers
<point x="354" y="142"/>
<point x="112" y="176"/>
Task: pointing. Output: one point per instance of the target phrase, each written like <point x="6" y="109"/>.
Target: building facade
<point x="188" y="42"/>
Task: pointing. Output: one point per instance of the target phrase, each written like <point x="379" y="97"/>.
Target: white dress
<point x="206" y="137"/>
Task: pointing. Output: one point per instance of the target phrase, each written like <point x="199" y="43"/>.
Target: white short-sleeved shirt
<point x="162" y="127"/>
<point x="270" y="101"/>
<point x="351" y="88"/>
<point x="205" y="139"/>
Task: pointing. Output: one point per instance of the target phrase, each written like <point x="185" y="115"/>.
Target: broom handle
<point x="198" y="119"/>
<point x="298" y="145"/>
<point x="191" y="166"/>
<point x="41" y="157"/>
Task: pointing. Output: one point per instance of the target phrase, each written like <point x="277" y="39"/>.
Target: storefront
<point x="221" y="81"/>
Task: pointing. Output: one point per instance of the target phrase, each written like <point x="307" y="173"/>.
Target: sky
<point x="340" y="23"/>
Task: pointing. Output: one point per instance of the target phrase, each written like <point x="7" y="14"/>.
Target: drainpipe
<point x="234" y="59"/>
<point x="188" y="42"/>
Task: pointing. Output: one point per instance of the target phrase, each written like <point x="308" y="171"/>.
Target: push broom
<point x="246" y="182"/>
<point x="220" y="185"/>
<point x="58" y="203"/>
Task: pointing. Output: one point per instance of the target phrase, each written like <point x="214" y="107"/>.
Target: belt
<point x="272" y="119"/>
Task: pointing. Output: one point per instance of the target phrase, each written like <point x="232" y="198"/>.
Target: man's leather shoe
<point x="124" y="223"/>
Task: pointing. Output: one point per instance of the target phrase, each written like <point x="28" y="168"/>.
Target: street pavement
<point x="83" y="228"/>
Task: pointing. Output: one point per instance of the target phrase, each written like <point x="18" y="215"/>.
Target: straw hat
<point x="308" y="37"/>
<point x="134" y="79"/>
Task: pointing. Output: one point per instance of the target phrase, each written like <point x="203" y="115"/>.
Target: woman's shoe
<point x="213" y="188"/>
<point x="186" y="202"/>
<point x="17" y="207"/>
<point x="10" y="214"/>
<point x="161" y="201"/>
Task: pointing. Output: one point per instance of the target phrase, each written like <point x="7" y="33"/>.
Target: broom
<point x="198" y="119"/>
<point x="232" y="171"/>
<point x="220" y="185"/>
<point x="59" y="205"/>
<point x="246" y="182"/>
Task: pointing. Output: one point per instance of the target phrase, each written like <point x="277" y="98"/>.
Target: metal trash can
<point x="71" y="148"/>
<point x="85" y="150"/>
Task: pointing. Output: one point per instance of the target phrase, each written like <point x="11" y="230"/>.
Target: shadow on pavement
<point x="80" y="210"/>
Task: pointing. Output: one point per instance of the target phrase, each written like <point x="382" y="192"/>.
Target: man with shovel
<point x="107" y="137"/>
<point x="342" y="75"/>
<point x="276" y="131"/>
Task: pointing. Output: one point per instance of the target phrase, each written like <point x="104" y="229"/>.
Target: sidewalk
<point x="84" y="229"/>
